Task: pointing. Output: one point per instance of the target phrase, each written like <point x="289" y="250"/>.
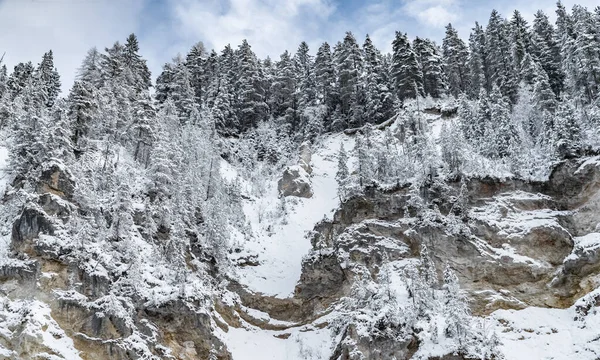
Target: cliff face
<point x="514" y="245"/>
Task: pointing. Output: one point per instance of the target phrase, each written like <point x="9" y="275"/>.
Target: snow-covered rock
<point x="295" y="181"/>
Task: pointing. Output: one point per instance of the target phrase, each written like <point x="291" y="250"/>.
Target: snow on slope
<point x="26" y="323"/>
<point x="281" y="245"/>
<point x="544" y="334"/>
<point x="306" y="343"/>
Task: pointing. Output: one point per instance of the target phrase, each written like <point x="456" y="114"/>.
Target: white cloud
<point x="433" y="13"/>
<point x="29" y="28"/>
<point x="270" y="26"/>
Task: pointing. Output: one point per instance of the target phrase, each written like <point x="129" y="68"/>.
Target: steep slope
<point x="514" y="244"/>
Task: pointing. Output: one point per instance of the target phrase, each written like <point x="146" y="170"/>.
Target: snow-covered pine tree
<point x="379" y="105"/>
<point x="19" y="78"/>
<point x="547" y="50"/>
<point x="82" y="111"/>
<point x="498" y="48"/>
<point x="406" y="72"/>
<point x="304" y="65"/>
<point x="456" y="310"/>
<point x="325" y="79"/>
<point x="143" y="129"/>
<point x="479" y="68"/>
<point x="455" y="55"/>
<point x="89" y="72"/>
<point x="251" y="105"/>
<point x="195" y="62"/>
<point x="349" y="62"/>
<point x="49" y="78"/>
<point x="141" y="77"/>
<point x="284" y="100"/>
<point x="520" y="38"/>
<point x="434" y="78"/>
<point x="582" y="56"/>
<point x="342" y="176"/>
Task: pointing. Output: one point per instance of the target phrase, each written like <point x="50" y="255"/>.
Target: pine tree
<point x="451" y="142"/>
<point x="456" y="310"/>
<point x="500" y="59"/>
<point x="112" y="63"/>
<point x="305" y="76"/>
<point x="284" y="89"/>
<point x="349" y="63"/>
<point x="29" y="149"/>
<point x="59" y="133"/>
<point x="164" y="83"/>
<point x="49" y="78"/>
<point x="364" y="161"/>
<point x="455" y="55"/>
<point x="520" y="38"/>
<point x="251" y="105"/>
<point x="82" y="111"/>
<point x="547" y="50"/>
<point x="195" y="62"/>
<point x="406" y="72"/>
<point x="3" y="79"/>
<point x="479" y="63"/>
<point x="428" y="56"/>
<point x="379" y="98"/>
<point x="89" y="72"/>
<point x="342" y="176"/>
<point x="164" y="167"/>
<point x="566" y="128"/>
<point x="141" y="76"/>
<point x="582" y="56"/>
<point x="503" y="133"/>
<point x="19" y="78"/>
<point x="325" y="80"/>
<point x="182" y="92"/>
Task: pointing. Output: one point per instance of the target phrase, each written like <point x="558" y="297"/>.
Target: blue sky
<point x="28" y="28"/>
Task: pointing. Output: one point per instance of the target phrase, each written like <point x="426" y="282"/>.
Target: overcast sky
<point x="28" y="28"/>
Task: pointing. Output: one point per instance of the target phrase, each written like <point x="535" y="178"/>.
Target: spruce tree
<point x="502" y="71"/>
<point x="19" y="78"/>
<point x="456" y="310"/>
<point x="479" y="63"/>
<point x="342" y="176"/>
<point x="89" y="72"/>
<point x="325" y="81"/>
<point x="379" y="98"/>
<point x="284" y="89"/>
<point x="304" y="65"/>
<point x="582" y="58"/>
<point x="455" y="55"/>
<point x="195" y="62"/>
<point x="434" y="78"/>
<point x="141" y="77"/>
<point x="349" y="63"/>
<point x="82" y="111"/>
<point x="547" y="50"/>
<point x="520" y="38"/>
<point x="49" y="78"/>
<point x="251" y="105"/>
<point x="406" y="72"/>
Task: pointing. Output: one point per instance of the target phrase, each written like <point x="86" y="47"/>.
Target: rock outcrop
<point x="57" y="179"/>
<point x="295" y="181"/>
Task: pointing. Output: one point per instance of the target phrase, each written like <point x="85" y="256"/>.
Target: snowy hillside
<point x="437" y="202"/>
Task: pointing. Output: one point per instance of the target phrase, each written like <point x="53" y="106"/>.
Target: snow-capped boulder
<point x="57" y="179"/>
<point x="295" y="182"/>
